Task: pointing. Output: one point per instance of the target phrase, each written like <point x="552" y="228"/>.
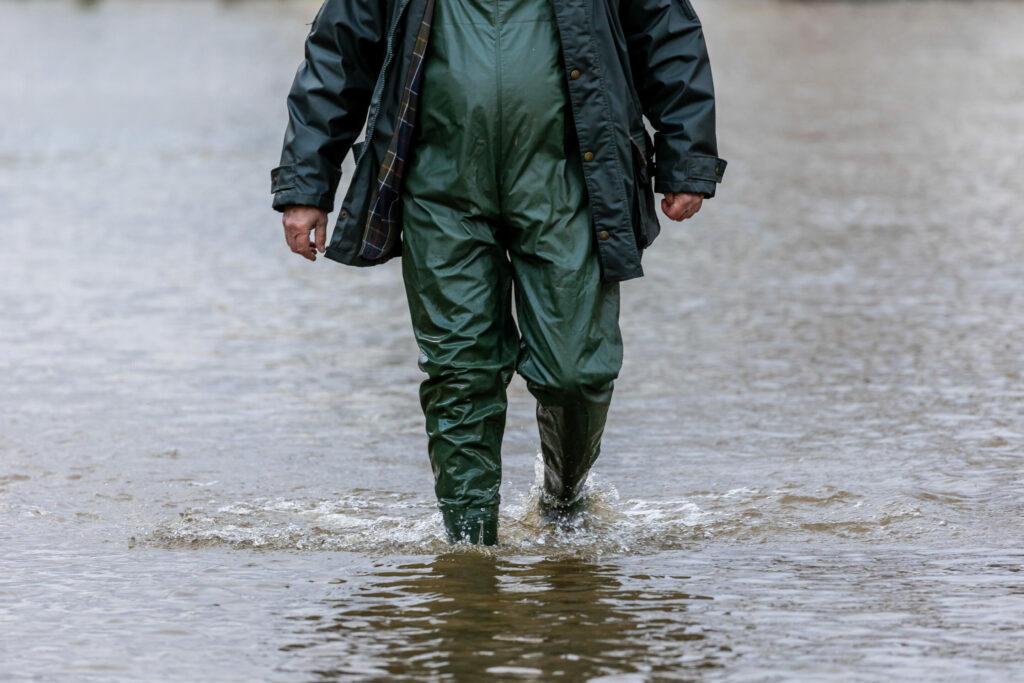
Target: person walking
<point x="506" y="162"/>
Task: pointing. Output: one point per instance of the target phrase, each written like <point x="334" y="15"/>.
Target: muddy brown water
<point x="212" y="460"/>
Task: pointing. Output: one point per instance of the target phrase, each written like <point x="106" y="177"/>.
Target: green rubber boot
<point x="479" y="527"/>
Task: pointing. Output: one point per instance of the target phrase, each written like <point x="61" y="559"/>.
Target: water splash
<point x="382" y="523"/>
<point x="388" y="522"/>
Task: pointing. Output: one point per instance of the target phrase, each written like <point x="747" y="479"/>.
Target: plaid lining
<point x="382" y="225"/>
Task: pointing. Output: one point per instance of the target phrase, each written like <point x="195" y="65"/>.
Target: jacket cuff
<point x="282" y="200"/>
<point x="288" y="191"/>
<point x="687" y="171"/>
<point x="702" y="187"/>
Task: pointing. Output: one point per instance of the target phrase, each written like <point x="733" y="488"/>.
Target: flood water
<point x="212" y="458"/>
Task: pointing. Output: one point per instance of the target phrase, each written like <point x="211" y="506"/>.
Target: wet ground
<point x="212" y="460"/>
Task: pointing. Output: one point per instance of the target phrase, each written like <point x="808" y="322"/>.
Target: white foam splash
<point x="385" y="522"/>
<point x="382" y="522"/>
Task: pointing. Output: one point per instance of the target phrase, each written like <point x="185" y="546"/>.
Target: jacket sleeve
<point x="670" y="66"/>
<point x="328" y="101"/>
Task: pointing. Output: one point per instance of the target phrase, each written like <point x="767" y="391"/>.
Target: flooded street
<point x="212" y="457"/>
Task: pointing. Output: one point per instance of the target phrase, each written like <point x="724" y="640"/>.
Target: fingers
<point x="298" y="221"/>
<point x="672" y="205"/>
<point x="681" y="205"/>
<point x="320" y="234"/>
<point x="692" y="208"/>
<point x="296" y="235"/>
<point x="304" y="248"/>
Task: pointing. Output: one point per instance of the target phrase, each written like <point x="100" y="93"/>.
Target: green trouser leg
<point x="571" y="347"/>
<point x="494" y="208"/>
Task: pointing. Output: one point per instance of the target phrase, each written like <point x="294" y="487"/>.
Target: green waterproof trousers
<point x="495" y="211"/>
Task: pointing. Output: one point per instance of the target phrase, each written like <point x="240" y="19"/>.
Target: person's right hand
<point x="298" y="222"/>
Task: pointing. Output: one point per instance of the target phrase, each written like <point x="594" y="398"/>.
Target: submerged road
<point x="212" y="457"/>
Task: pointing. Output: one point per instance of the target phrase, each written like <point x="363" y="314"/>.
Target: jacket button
<point x="574" y="74"/>
<point x="589" y="156"/>
<point x="344" y="214"/>
<point x="603" y="235"/>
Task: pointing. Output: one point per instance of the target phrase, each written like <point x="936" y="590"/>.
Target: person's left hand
<point x="681" y="205"/>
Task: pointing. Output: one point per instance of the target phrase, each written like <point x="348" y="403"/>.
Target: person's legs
<point x="495" y="169"/>
<point x="571" y="347"/>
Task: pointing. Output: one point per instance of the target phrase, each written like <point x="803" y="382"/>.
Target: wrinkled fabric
<point x="496" y="214"/>
<point x="384" y="223"/>
<point x="622" y="60"/>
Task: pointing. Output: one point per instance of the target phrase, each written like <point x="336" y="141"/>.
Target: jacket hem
<point x="354" y="259"/>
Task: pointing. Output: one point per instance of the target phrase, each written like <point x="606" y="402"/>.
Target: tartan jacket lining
<point x="383" y="223"/>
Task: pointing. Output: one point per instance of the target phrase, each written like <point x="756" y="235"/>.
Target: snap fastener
<point x="574" y="74"/>
<point x="589" y="156"/>
<point x="603" y="235"/>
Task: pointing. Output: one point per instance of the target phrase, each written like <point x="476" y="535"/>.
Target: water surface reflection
<point x="467" y="613"/>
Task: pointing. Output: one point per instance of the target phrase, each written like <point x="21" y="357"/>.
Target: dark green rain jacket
<point x="624" y="59"/>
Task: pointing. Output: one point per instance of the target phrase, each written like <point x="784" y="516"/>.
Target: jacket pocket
<point x="645" y="217"/>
